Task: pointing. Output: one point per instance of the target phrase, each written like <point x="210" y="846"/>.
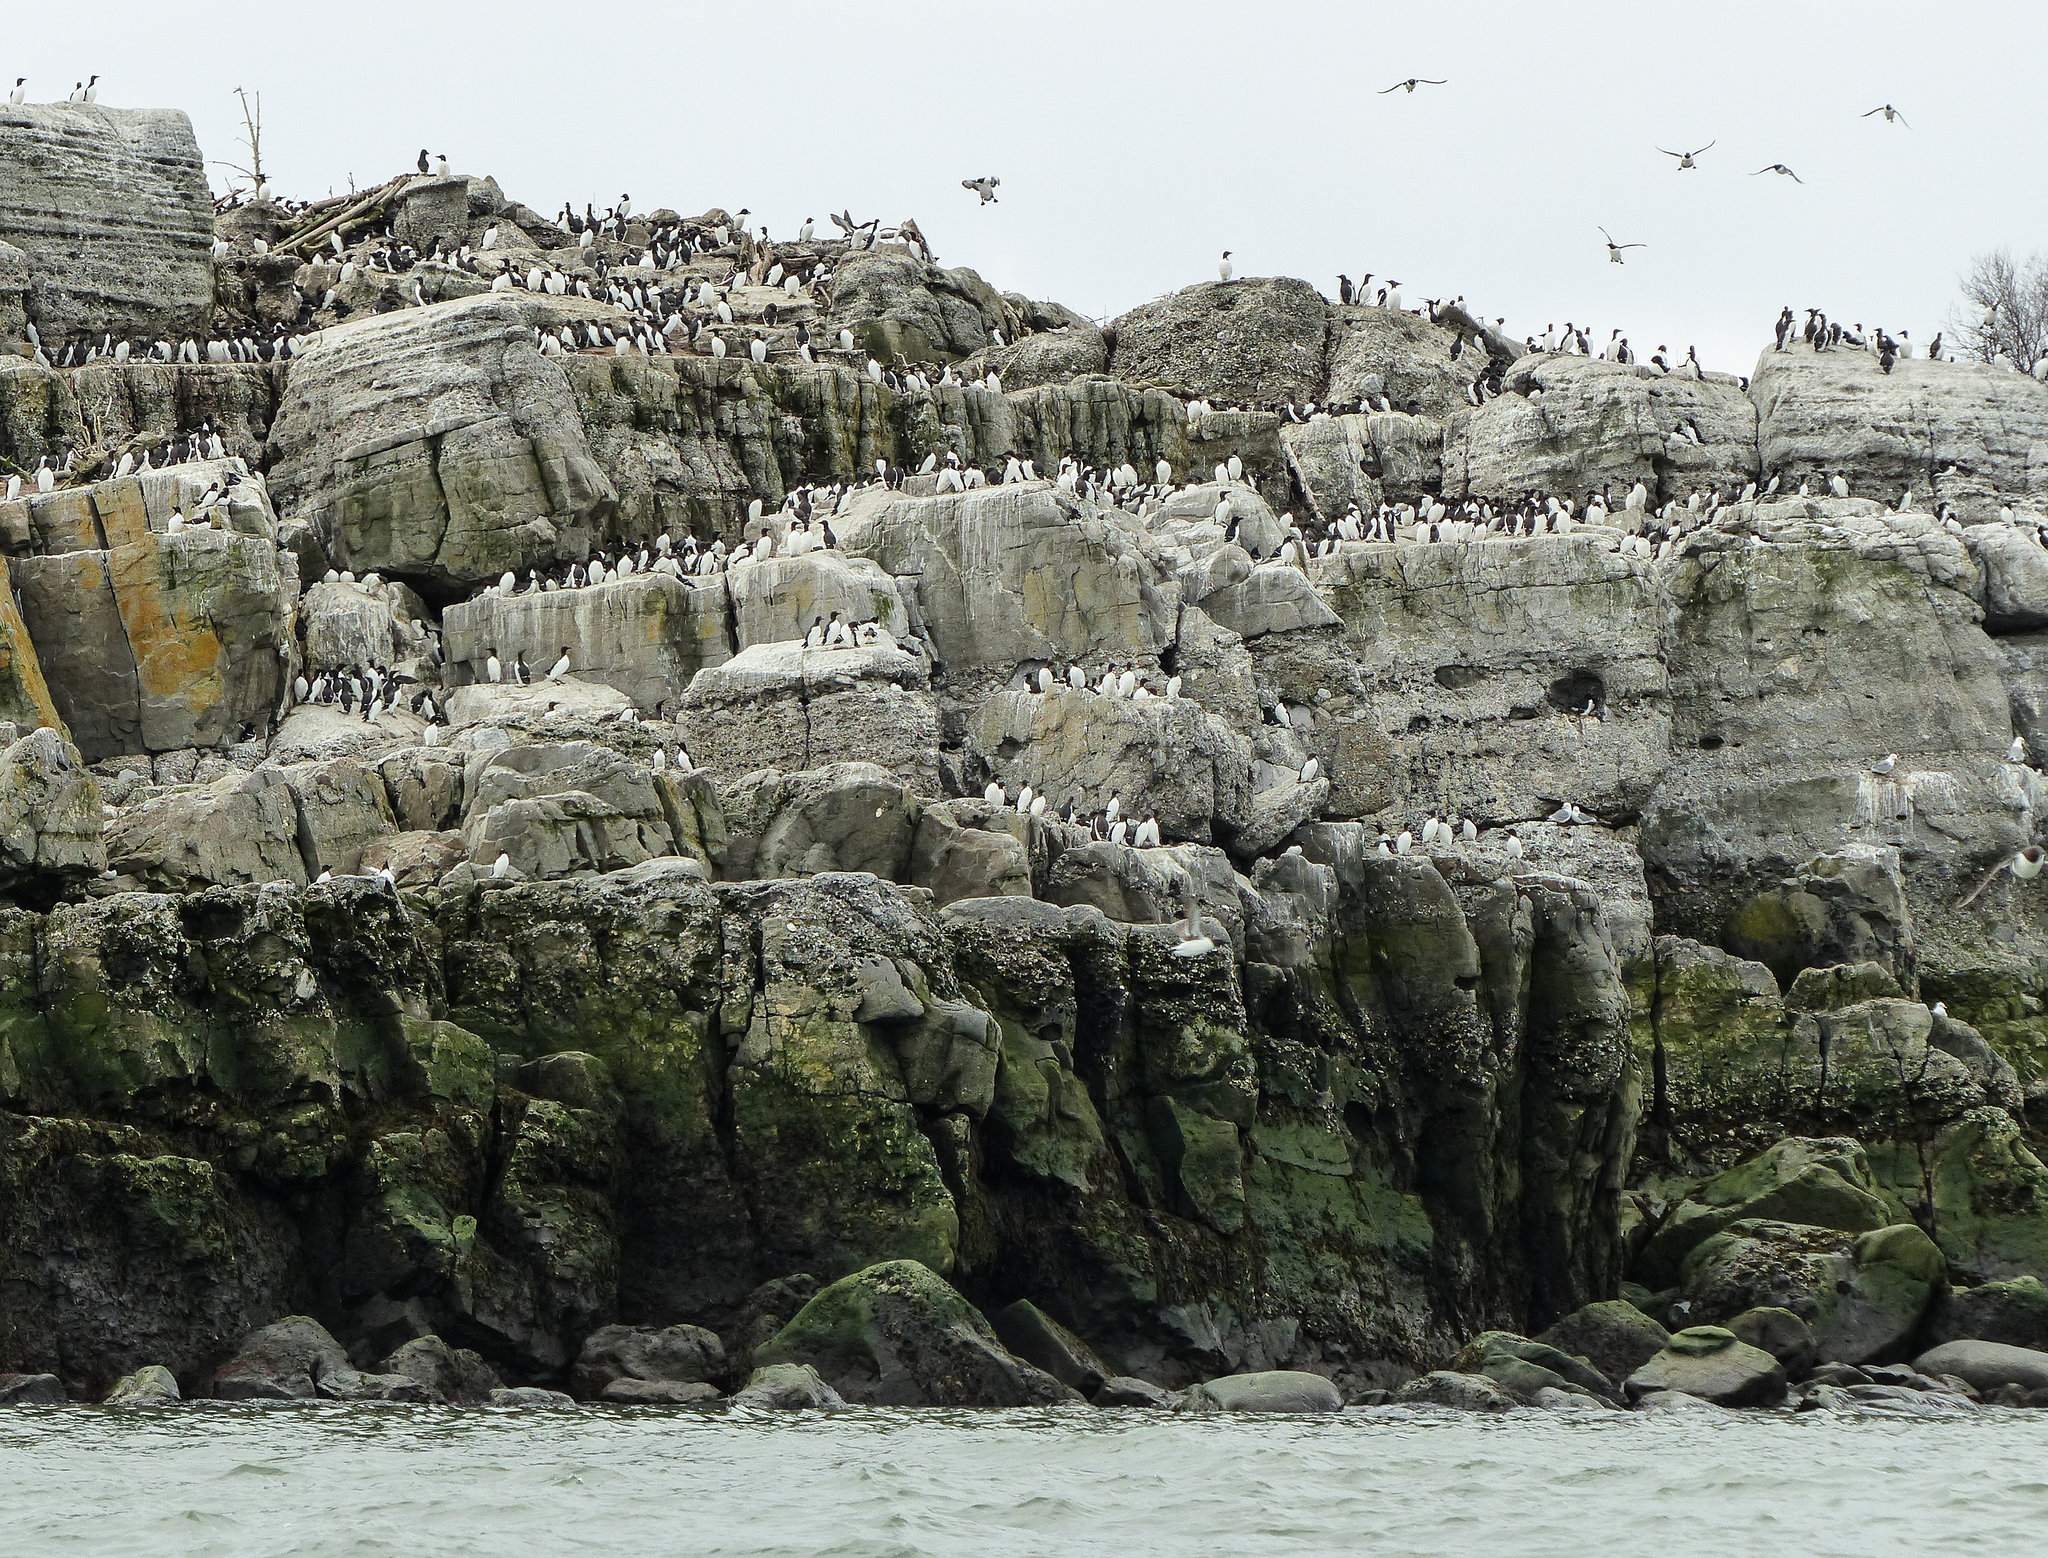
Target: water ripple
<point x="332" y="1482"/>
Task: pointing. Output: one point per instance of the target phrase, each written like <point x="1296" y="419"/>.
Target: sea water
<point x="213" y="1481"/>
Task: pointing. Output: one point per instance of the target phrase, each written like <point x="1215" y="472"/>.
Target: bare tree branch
<point x="2004" y="308"/>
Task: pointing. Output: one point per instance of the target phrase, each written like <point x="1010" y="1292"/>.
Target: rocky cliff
<point x="725" y="962"/>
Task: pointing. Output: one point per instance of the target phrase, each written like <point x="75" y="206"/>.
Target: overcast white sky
<point x="1136" y="141"/>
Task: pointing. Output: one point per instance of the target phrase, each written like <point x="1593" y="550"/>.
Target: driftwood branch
<point x="370" y="205"/>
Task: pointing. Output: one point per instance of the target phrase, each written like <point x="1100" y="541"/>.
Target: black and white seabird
<point x="1411" y="84"/>
<point x="1614" y="249"/>
<point x="1891" y="114"/>
<point x="1779" y="167"/>
<point x="1685" y="158"/>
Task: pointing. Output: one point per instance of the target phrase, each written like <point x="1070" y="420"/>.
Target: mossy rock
<point x="1822" y="1181"/>
<point x="898" y="1334"/>
<point x="1863" y="1294"/>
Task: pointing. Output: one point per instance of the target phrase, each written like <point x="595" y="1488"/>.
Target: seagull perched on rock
<point x="1685" y="158"/>
<point x="984" y="187"/>
<point x="1884" y="765"/>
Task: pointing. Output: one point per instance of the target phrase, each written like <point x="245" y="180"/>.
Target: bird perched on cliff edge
<point x="1224" y="269"/>
<point x="984" y="187"/>
<point x="20" y="92"/>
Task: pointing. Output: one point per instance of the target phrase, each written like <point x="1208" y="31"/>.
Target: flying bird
<point x="1890" y="113"/>
<point x="1779" y="167"/>
<point x="1411" y="84"/>
<point x="984" y="187"/>
<point x="1685" y="158"/>
<point x="1614" y="249"/>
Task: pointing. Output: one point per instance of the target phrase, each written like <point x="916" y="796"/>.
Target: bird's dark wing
<point x="1394" y="88"/>
<point x="1429" y="83"/>
<point x="1671" y="153"/>
<point x="1877" y="110"/>
<point x="1708" y="147"/>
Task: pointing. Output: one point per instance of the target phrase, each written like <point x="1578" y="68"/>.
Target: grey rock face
<point x="342" y="810"/>
<point x="111" y="208"/>
<point x="562" y="808"/>
<point x="152" y="1385"/>
<point x="1863" y="1294"/>
<point x="1577" y="424"/>
<point x="1797" y="662"/>
<point x="1614" y="1336"/>
<point x="898" y="303"/>
<point x="438" y="444"/>
<point x="1967" y="432"/>
<point x="1033" y="1335"/>
<point x="787" y="707"/>
<point x="1824" y="1183"/>
<point x="1123" y="1390"/>
<point x="1161" y="755"/>
<point x="527" y="1397"/>
<point x="242" y="828"/>
<point x="452" y="1374"/>
<point x="1018" y="573"/>
<point x="780" y="599"/>
<point x="1710" y="1363"/>
<point x="356" y="624"/>
<point x="1391" y="352"/>
<point x="1273" y="1390"/>
<point x="677" y="1354"/>
<point x="1987" y="1365"/>
<point x="2014" y="568"/>
<point x="1460" y="1392"/>
<point x="646" y="635"/>
<point x="2014" y="1312"/>
<point x="897" y="1335"/>
<point x="284" y="1361"/>
<point x="31" y="1390"/>
<point x="1482" y="659"/>
<point x="1050" y="357"/>
<point x="13" y="289"/>
<point x="849" y="817"/>
<point x="1254" y="340"/>
<point x="50" y="822"/>
<point x="787" y="1387"/>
